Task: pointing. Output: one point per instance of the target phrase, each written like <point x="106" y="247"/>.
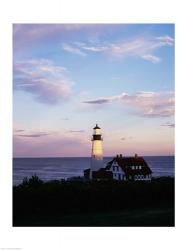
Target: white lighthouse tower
<point x="97" y="150"/>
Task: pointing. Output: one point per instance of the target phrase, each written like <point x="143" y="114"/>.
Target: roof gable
<point x="126" y="164"/>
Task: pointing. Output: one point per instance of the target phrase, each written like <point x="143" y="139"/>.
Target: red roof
<point x="127" y="162"/>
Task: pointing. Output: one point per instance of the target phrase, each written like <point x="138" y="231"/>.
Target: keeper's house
<point x="123" y="168"/>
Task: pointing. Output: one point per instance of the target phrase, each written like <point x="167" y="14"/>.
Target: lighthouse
<point x="97" y="150"/>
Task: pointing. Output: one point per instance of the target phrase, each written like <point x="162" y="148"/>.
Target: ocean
<point x="66" y="167"/>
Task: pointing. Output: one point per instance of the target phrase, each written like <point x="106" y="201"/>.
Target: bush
<point x="35" y="197"/>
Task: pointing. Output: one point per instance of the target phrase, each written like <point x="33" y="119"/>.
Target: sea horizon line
<point x="35" y="157"/>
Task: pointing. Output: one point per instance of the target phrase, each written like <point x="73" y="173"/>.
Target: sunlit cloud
<point x="45" y="80"/>
<point x="141" y="47"/>
<point x="151" y="58"/>
<point x="144" y="47"/>
<point x="147" y="104"/>
<point x="72" y="50"/>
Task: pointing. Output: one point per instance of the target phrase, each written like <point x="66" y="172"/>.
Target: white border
<point x="53" y="11"/>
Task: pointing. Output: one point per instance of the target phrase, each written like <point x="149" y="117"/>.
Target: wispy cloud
<point x="76" y="131"/>
<point x="65" y="119"/>
<point x="50" y="143"/>
<point x="151" y="58"/>
<point x="73" y="50"/>
<point x="147" y="104"/>
<point x="141" y="47"/>
<point x="168" y="124"/>
<point x="26" y="35"/>
<point x="102" y="100"/>
<point x="45" y="80"/>
<point x="144" y="47"/>
<point x="19" y="130"/>
<point x="41" y="134"/>
<point x="126" y="138"/>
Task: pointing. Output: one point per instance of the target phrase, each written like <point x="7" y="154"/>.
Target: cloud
<point x="141" y="47"/>
<point x="77" y="131"/>
<point x="98" y="101"/>
<point x="65" y="119"/>
<point x="45" y="80"/>
<point x="126" y="138"/>
<point x="72" y="50"/>
<point x="151" y="58"/>
<point x="41" y="134"/>
<point x="19" y="130"/>
<point x="95" y="49"/>
<point x="26" y="35"/>
<point x="103" y="100"/>
<point x="147" y="104"/>
<point x="57" y="144"/>
<point x="168" y="124"/>
<point x="166" y="40"/>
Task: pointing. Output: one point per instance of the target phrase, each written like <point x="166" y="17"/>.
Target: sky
<point x="68" y="77"/>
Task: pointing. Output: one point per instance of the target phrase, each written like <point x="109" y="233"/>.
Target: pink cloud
<point x="46" y="144"/>
<point x="28" y="35"/>
<point x="147" y="104"/>
<point x="140" y="47"/>
<point x="45" y="80"/>
<point x="25" y="34"/>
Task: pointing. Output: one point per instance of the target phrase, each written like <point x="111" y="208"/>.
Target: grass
<point x="156" y="217"/>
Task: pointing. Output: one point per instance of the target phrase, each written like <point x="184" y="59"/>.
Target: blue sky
<point x="67" y="77"/>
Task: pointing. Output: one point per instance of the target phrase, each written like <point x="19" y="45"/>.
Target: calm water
<point x="59" y="168"/>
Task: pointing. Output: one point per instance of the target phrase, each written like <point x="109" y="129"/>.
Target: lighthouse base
<point x="96" y="164"/>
